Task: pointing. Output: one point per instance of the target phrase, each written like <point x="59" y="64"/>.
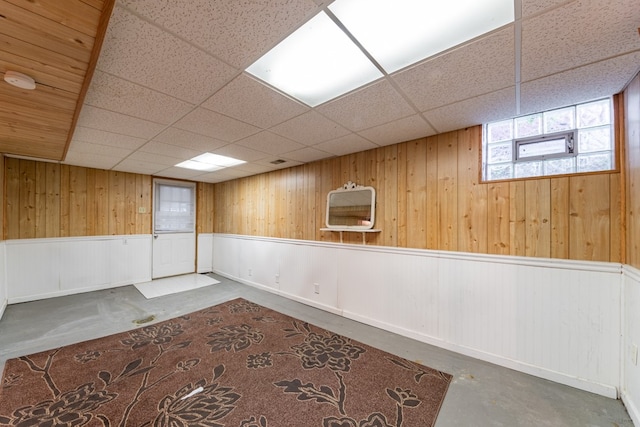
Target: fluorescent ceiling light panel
<point x="316" y="63"/>
<point x="398" y="33"/>
<point x="209" y="162"/>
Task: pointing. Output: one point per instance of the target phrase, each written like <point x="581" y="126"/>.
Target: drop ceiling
<point x="169" y="83"/>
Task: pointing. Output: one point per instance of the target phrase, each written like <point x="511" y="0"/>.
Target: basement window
<point x="568" y="140"/>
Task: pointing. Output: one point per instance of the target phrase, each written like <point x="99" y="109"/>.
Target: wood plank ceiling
<point x="57" y="43"/>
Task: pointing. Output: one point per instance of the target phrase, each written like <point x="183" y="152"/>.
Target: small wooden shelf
<point x="351" y="230"/>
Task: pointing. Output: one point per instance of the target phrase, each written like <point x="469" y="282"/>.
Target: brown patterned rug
<point x="236" y="364"/>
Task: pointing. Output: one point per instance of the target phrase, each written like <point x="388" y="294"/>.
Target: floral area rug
<point x="236" y="364"/>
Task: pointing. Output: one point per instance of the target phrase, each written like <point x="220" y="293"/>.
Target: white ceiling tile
<point x="252" y="168"/>
<point x="140" y="52"/>
<point x="139" y="166"/>
<point x="483" y="66"/>
<point x="157" y="159"/>
<point x="179" y="173"/>
<point x="77" y="146"/>
<point x="97" y="118"/>
<point x="101" y="137"/>
<point x="236" y="31"/>
<point x="475" y="111"/>
<point x="241" y="153"/>
<point x="215" y="125"/>
<point x="116" y="94"/>
<point x="91" y="160"/>
<point x="401" y="130"/>
<point x="252" y="102"/>
<point x="532" y="7"/>
<point x="582" y="32"/>
<point x="170" y="150"/>
<point x="225" y="175"/>
<point x="267" y="162"/>
<point x="307" y="155"/>
<point x="370" y="106"/>
<point x="348" y="144"/>
<point x="586" y="83"/>
<point x="270" y="143"/>
<point x="310" y="128"/>
<point x="190" y="140"/>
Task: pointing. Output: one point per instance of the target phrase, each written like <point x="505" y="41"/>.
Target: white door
<point x="174" y="219"/>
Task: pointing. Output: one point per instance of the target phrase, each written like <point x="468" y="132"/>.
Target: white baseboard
<point x="632" y="409"/>
<point x="65" y="292"/>
<point x="601" y="389"/>
<point x="287" y="295"/>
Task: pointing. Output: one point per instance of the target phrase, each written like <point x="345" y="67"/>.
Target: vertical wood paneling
<point x="144" y="220"/>
<point x="204" y="207"/>
<point x="448" y="191"/>
<point x="432" y="193"/>
<point x="429" y="196"/>
<point x="538" y="215"/>
<point x="65" y="189"/>
<point x="617" y="227"/>
<point x="27" y="200"/>
<point x="117" y="188"/>
<point x="416" y="193"/>
<point x="52" y="207"/>
<point x="402" y="195"/>
<point x="472" y="203"/>
<point x="517" y="219"/>
<point x="498" y="218"/>
<point x="560" y="218"/>
<point x="131" y="205"/>
<point x="77" y="201"/>
<point x="41" y="198"/>
<point x="52" y="200"/>
<point x="12" y="204"/>
<point x="387" y="219"/>
<point x="590" y="219"/>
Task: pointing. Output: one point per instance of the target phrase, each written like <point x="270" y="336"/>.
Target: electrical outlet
<point x="277" y="278"/>
<point x="316" y="288"/>
<point x="142" y="209"/>
<point x="634" y="354"/>
<point x="124" y="242"/>
<point x="250" y="272"/>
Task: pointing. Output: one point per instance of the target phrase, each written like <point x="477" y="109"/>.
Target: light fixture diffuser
<point x="398" y="33"/>
<point x="209" y="162"/>
<point x="316" y="63"/>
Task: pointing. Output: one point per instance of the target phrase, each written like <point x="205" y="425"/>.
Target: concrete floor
<point x="481" y="394"/>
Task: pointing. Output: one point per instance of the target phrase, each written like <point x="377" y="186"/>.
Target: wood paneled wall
<point x="632" y="178"/>
<point x="52" y="200"/>
<point x="429" y="196"/>
<point x="204" y="207"/>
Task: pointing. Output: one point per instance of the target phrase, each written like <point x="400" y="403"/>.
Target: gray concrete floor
<point x="481" y="394"/>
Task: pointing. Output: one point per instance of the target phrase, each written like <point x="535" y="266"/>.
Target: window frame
<point x="569" y="146"/>
<point x="572" y="150"/>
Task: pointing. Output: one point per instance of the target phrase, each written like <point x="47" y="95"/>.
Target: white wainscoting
<point x="204" y="263"/>
<point x="631" y="325"/>
<point x="3" y="281"/>
<point x="556" y="319"/>
<point x="45" y="268"/>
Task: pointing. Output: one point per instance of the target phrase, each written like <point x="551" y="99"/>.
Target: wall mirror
<point x="351" y="207"/>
